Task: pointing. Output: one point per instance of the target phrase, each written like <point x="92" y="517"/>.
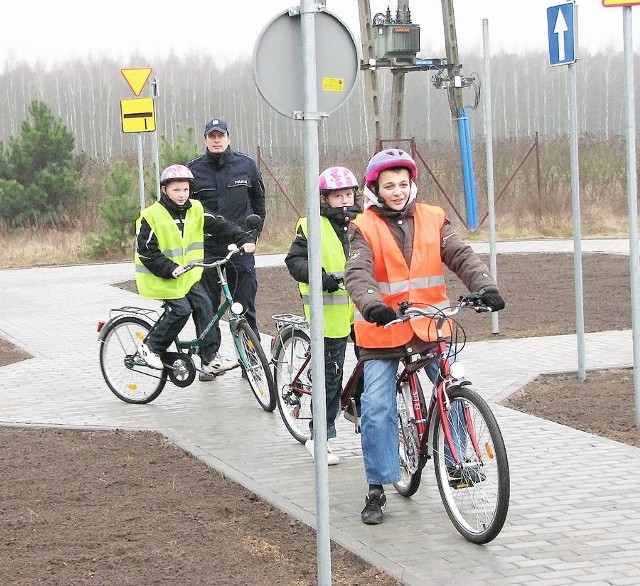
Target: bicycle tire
<point x="411" y="462"/>
<point x="130" y="382"/>
<point x="478" y="501"/>
<point x="256" y="366"/>
<point x="289" y="352"/>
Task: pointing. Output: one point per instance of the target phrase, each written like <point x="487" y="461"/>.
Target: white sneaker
<point x="151" y="358"/>
<point x="220" y="364"/>
<point x="332" y="459"/>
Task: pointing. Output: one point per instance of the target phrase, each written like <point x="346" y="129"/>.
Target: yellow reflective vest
<point x="181" y="248"/>
<point x="337" y="307"/>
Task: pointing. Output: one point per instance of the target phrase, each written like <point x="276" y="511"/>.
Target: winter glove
<point x="493" y="300"/>
<point x="177" y="271"/>
<point x="381" y="315"/>
<point x="329" y="283"/>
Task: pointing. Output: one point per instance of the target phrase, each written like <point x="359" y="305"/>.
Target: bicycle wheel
<point x="475" y="496"/>
<point x="411" y="462"/>
<point x="255" y="365"/>
<point x="124" y="372"/>
<point x="291" y="348"/>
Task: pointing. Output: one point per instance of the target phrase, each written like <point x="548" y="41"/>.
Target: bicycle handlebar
<point x="233" y="249"/>
<point x="408" y="311"/>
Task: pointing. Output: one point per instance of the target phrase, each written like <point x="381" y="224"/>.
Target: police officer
<point x="229" y="184"/>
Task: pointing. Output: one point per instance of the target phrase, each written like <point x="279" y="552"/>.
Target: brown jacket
<point x="359" y="276"/>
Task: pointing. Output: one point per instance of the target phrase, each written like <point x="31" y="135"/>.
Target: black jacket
<point x="228" y="184"/>
<point x="216" y="228"/>
<point x="297" y="260"/>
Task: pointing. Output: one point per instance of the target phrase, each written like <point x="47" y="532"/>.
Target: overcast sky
<point x="42" y="31"/>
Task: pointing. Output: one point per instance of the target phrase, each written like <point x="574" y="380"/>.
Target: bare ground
<point x="90" y="507"/>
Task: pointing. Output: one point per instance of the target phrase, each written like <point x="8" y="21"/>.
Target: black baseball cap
<point x="217" y="125"/>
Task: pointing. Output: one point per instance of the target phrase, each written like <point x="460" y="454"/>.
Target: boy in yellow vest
<point x="338" y="187"/>
<point x="169" y="235"/>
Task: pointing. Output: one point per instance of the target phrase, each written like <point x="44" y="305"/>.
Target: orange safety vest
<point x="422" y="282"/>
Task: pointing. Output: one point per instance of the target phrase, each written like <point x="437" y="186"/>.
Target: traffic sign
<point x="620" y="2"/>
<point x="138" y="115"/>
<point x="561" y="26"/>
<point x="136" y="78"/>
<point x="278" y="63"/>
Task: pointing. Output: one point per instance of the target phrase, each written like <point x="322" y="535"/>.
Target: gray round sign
<point x="278" y="63"/>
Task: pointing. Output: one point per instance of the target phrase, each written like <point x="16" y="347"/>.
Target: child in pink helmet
<point x="338" y="187"/>
<point x="169" y="235"/>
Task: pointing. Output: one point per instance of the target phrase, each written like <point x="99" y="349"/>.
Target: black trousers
<point x="243" y="285"/>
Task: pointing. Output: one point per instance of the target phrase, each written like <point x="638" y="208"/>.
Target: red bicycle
<point x="454" y="426"/>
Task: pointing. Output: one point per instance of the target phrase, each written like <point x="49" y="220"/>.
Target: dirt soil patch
<point x="90" y="507"/>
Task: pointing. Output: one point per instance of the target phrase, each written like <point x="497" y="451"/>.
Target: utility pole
<point x="372" y="102"/>
<point x="453" y="65"/>
<point x="403" y="16"/>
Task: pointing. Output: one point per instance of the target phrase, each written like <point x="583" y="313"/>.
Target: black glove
<point x="493" y="300"/>
<point x="329" y="283"/>
<point x="382" y="315"/>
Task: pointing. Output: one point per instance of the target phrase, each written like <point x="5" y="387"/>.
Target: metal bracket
<point x="297" y="10"/>
<point x="300" y="115"/>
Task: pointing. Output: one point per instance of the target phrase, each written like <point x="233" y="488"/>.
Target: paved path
<point x="574" y="515"/>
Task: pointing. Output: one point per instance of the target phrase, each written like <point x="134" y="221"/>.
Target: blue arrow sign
<point x="561" y="23"/>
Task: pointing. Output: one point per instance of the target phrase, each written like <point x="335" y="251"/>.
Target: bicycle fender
<point x="111" y="323"/>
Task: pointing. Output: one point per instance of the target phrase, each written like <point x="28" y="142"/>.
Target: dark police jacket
<point x="229" y="185"/>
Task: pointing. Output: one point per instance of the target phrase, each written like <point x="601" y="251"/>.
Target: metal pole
<point x="488" y="131"/>
<point x="632" y="194"/>
<point x="312" y="169"/>
<point x="577" y="232"/>
<point x="156" y="147"/>
<point x="140" y="170"/>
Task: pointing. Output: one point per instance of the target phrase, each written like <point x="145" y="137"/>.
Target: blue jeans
<point x="176" y="315"/>
<point x="334" y="351"/>
<point x="379" y="420"/>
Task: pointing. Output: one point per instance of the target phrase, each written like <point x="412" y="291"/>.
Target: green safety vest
<point x="337" y="307"/>
<point x="181" y="248"/>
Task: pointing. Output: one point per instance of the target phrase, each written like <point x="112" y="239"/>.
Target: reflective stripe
<point x="330" y="299"/>
<point x="404" y="286"/>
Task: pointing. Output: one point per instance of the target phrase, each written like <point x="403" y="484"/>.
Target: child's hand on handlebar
<point x="178" y="271"/>
<point x="248" y="247"/>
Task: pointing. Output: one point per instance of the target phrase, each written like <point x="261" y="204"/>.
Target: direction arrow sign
<point x="138" y="115"/>
<point x="562" y="38"/>
<point x="136" y="78"/>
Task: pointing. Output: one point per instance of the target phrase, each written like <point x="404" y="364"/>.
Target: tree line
<point x="528" y="97"/>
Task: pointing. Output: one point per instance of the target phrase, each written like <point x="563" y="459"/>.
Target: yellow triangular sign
<point x="136" y="78"/>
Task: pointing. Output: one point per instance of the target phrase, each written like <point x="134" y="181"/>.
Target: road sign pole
<point x="488" y="132"/>
<point x="140" y="171"/>
<point x="577" y="231"/>
<point x="632" y="193"/>
<point x="308" y="10"/>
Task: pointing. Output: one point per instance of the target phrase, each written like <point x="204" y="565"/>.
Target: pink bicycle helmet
<point x="176" y="173"/>
<point x="336" y="178"/>
<point x="386" y="159"/>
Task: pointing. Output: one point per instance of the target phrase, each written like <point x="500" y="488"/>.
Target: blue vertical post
<point x="467" y="169"/>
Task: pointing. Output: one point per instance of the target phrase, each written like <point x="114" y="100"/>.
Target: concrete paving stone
<point x="221" y="423"/>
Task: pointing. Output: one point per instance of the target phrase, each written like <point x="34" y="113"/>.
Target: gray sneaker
<point x="375" y="504"/>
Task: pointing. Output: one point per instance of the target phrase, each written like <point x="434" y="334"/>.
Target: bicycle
<point x="133" y="381"/>
<point x="456" y="428"/>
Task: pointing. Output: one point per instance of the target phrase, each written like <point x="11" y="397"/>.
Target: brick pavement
<point x="574" y="515"/>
